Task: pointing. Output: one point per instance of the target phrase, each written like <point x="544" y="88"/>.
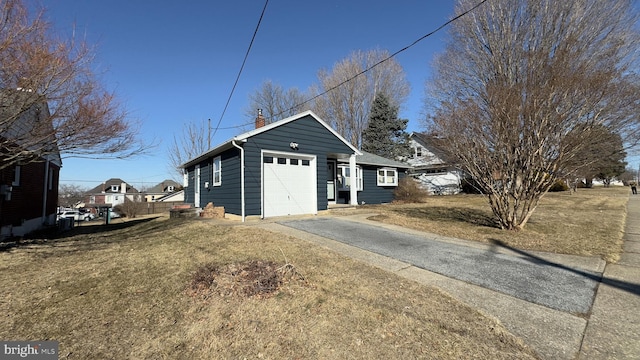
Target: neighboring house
<point x="28" y="190"/>
<point x="111" y="193"/>
<point x="160" y="190"/>
<point x="432" y="167"/>
<point x="298" y="165"/>
<point x="176" y="196"/>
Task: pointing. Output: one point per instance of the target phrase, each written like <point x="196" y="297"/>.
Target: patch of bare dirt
<point x="253" y="278"/>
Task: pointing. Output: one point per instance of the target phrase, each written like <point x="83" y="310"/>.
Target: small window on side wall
<point x="387" y="177"/>
<point x="217" y="171"/>
<point x="16" y="176"/>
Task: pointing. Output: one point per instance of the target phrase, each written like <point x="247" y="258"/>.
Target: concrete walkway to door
<point x="546" y="299"/>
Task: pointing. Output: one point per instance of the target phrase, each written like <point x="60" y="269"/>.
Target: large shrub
<point x="559" y="185"/>
<point x="409" y="190"/>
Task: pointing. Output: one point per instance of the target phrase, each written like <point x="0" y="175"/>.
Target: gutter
<point x="45" y="192"/>
<point x="242" y="200"/>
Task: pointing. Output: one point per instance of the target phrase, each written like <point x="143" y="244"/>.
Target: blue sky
<point x="174" y="62"/>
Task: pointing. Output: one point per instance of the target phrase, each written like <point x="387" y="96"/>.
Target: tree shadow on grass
<point x="450" y="214"/>
<point x="619" y="284"/>
<point x="88" y="236"/>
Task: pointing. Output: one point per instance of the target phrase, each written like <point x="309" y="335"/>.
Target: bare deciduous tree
<point x="193" y="141"/>
<point x="521" y="86"/>
<point x="44" y="76"/>
<point x="70" y="194"/>
<point x="131" y="207"/>
<point x="347" y="104"/>
<point x="275" y="102"/>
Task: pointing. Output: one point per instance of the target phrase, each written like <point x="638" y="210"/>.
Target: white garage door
<point x="289" y="185"/>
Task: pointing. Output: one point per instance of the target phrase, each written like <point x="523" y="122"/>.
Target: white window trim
<point x="386" y="176"/>
<point x="343" y="181"/>
<point x="16" y="176"/>
<point x="217" y="169"/>
<point x="115" y="188"/>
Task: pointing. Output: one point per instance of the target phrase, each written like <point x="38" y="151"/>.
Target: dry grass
<point x="589" y="222"/>
<point x="122" y="292"/>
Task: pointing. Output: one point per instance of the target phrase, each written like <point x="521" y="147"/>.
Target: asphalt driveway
<point x="526" y="277"/>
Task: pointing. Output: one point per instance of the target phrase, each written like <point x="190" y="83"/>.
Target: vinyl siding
<point x="372" y="193"/>
<point x="228" y="193"/>
<point x="312" y="139"/>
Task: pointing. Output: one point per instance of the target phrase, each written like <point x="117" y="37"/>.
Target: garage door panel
<point x="289" y="186"/>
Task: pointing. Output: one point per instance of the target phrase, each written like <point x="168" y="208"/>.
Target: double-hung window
<point x="344" y="177"/>
<point x="217" y="171"/>
<point x="387" y="177"/>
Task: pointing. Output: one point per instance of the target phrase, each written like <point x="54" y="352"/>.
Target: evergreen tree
<point x="385" y="134"/>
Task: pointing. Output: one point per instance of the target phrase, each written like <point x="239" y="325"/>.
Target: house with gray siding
<point x="298" y="165"/>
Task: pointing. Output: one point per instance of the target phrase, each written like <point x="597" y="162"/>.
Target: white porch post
<point x="353" y="189"/>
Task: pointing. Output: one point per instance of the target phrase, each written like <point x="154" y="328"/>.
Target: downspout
<point x="233" y="142"/>
<point x="45" y="191"/>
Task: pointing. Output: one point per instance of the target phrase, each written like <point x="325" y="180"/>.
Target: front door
<point x="331" y="181"/>
<point x="196" y="187"/>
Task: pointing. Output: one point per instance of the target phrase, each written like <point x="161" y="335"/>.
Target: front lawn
<point x="589" y="222"/>
<point x="140" y="290"/>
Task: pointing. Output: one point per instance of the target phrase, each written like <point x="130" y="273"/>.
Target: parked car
<point x="75" y="215"/>
<point x="112" y="214"/>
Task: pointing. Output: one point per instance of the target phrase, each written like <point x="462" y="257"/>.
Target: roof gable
<point x="433" y="144"/>
<point x="245" y="136"/>
<point x="161" y="187"/>
<point x="105" y="187"/>
<point x="25" y="123"/>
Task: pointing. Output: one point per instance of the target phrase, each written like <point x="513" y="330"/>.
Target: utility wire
<point x="363" y="71"/>
<point x="387" y="58"/>
<point x="241" y="68"/>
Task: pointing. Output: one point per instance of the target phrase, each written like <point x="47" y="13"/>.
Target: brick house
<point x="28" y="188"/>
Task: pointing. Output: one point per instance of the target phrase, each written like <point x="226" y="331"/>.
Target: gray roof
<point x="373" y="159"/>
<point x="161" y="187"/>
<point x="105" y="187"/>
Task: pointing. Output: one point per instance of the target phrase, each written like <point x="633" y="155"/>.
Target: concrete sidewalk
<point x="613" y="329"/>
<point x="610" y="331"/>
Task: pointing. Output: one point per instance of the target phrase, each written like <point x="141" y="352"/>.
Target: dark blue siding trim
<point x="312" y="139"/>
<point x="372" y="193"/>
<point x="228" y="193"/>
<point x="189" y="190"/>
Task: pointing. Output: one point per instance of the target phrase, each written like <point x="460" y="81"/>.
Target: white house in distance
<point x="432" y="168"/>
<point x="111" y="193"/>
<point x="162" y="190"/>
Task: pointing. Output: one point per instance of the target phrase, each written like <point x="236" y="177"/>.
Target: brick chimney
<point x="260" y="119"/>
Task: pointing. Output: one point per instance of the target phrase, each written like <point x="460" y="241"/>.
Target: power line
<point x="387" y="58"/>
<point x="241" y="67"/>
<point x="445" y="24"/>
